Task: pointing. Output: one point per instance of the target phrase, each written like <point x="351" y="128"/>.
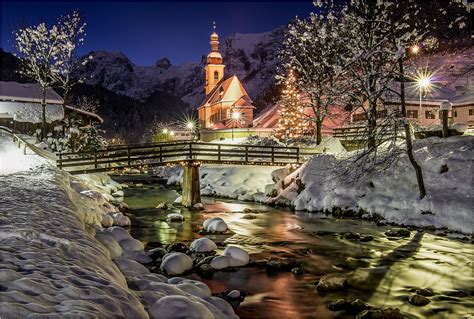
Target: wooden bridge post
<point x="191" y="185"/>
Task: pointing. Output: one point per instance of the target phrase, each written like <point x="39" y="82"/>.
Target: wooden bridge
<point x="188" y="154"/>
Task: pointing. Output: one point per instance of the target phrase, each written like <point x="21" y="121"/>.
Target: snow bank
<point x="51" y="266"/>
<point x="393" y="194"/>
<point x="237" y="256"/>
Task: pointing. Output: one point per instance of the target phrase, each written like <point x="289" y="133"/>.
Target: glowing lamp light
<point x="165" y="131"/>
<point x="415" y="49"/>
<point x="190" y="125"/>
<point x="424" y="82"/>
<point x="235" y="116"/>
<point x="172" y="133"/>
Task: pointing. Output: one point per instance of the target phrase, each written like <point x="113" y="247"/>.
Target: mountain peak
<point x="162" y="63"/>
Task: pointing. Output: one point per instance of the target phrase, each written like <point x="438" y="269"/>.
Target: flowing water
<point x="384" y="272"/>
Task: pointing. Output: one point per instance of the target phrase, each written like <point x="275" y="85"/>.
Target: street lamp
<point x="190" y="127"/>
<point x="415" y="49"/>
<point x="424" y="83"/>
<point x="235" y="118"/>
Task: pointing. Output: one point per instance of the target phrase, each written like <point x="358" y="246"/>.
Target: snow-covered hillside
<point x="252" y="57"/>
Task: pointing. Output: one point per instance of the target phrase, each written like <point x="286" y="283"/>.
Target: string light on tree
<point x="290" y="111"/>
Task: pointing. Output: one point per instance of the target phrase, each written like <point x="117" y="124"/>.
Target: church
<point x="227" y="103"/>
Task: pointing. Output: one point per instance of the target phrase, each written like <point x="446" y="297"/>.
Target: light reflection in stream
<point x="384" y="271"/>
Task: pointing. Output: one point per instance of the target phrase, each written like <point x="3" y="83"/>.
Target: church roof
<point x="230" y="91"/>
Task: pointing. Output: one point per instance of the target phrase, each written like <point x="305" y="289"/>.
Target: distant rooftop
<point x="27" y="92"/>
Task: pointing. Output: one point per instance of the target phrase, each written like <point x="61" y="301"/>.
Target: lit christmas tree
<point x="291" y="116"/>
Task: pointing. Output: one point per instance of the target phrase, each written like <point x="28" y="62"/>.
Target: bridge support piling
<point x="191" y="185"/>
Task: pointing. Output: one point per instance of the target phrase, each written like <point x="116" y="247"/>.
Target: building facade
<point x="227" y="104"/>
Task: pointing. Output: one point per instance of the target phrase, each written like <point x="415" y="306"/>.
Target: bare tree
<point x="87" y="103"/>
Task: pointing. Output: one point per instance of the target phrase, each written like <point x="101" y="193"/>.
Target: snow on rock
<point x="220" y="262"/>
<point x="215" y="225"/>
<point x="130" y="267"/>
<point x="109" y="242"/>
<point x="131" y="244"/>
<point x="202" y="245"/>
<point x="107" y="221"/>
<point x="119" y="233"/>
<point x="237" y="256"/>
<point x="178" y="200"/>
<point x="174" y="217"/>
<point x="176" y="263"/>
<point x="118" y="194"/>
<point x="121" y="220"/>
<point x="180" y="307"/>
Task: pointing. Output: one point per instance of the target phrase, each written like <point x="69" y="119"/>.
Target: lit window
<point x="429" y="115"/>
<point x="412" y="114"/>
<point x="471" y="111"/>
<point x="216" y="75"/>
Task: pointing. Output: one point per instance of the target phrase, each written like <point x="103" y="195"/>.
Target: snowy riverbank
<point x="58" y="261"/>
<point x="447" y="167"/>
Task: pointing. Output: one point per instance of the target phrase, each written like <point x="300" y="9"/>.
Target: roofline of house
<point x="28" y="99"/>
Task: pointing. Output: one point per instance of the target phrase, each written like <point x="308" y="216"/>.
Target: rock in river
<point x="332" y="282"/>
<point x="418" y="300"/>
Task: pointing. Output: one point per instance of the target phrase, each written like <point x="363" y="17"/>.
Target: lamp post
<point x="235" y="118"/>
<point x="165" y="131"/>
<point x="423" y="84"/>
<point x="445" y="107"/>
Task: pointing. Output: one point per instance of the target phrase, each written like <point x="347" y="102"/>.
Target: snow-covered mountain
<point x="252" y="57"/>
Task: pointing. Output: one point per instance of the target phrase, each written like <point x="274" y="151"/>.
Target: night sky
<point x="147" y="31"/>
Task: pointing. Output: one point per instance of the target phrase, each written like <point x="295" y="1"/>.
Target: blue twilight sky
<point x="147" y="31"/>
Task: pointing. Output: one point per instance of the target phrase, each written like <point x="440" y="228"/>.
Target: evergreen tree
<point x="291" y="118"/>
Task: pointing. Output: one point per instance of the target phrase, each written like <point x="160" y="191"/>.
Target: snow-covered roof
<point x="229" y="91"/>
<point x="30" y="112"/>
<point x="27" y="92"/>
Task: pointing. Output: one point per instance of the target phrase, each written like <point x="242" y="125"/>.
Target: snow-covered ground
<point x="57" y="261"/>
<point x="393" y="194"/>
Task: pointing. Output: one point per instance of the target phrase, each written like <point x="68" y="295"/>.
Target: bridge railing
<point x="159" y="154"/>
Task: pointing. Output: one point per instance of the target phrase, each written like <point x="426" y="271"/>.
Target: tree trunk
<point x="406" y="124"/>
<point x="43" y="111"/>
<point x="319" y="126"/>
<point x="372" y="125"/>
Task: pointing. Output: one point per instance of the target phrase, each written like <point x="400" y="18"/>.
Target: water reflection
<point x="387" y="269"/>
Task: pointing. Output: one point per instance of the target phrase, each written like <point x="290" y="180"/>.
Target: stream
<point x="384" y="271"/>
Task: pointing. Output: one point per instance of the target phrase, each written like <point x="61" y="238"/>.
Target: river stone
<point x="357" y="306"/>
<point x="205" y="270"/>
<point x="337" y="305"/>
<point x="367" y="238"/>
<point x="178" y="247"/>
<point x="205" y="260"/>
<point x="418" y="300"/>
<point x="164" y="206"/>
<point x="398" y="233"/>
<point x="351" y="236"/>
<point x="366" y="278"/>
<point x="332" y="282"/>
<point x="426" y="292"/>
<point x="157" y="253"/>
<point x="280" y="264"/>
<point x="297" y="271"/>
<point x="153" y="244"/>
<point x="387" y="313"/>
<point x="107" y="221"/>
<point x="220" y="262"/>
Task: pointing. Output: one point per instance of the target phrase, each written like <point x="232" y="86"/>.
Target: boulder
<point x="220" y="262"/>
<point x="131" y="244"/>
<point x="121" y="220"/>
<point x="118" y="194"/>
<point x="176" y="263"/>
<point x="157" y="253"/>
<point x="426" y="292"/>
<point x="203" y="245"/>
<point x="215" y="225"/>
<point x="418" y="300"/>
<point x="332" y="282"/>
<point x="280" y="264"/>
<point x="164" y="206"/>
<point x="130" y="267"/>
<point x="387" y="313"/>
<point x="237" y="256"/>
<point x="107" y="221"/>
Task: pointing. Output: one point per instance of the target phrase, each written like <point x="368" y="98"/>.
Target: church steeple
<point x="214" y="66"/>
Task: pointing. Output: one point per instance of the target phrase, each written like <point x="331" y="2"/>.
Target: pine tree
<point x="291" y="118"/>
